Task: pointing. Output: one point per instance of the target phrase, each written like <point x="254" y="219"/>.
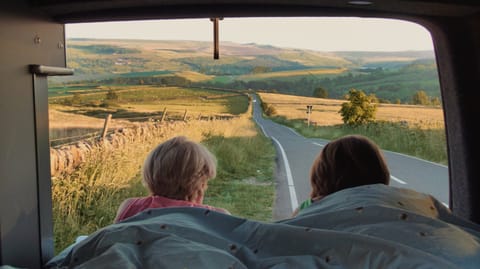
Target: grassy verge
<point x="244" y="183"/>
<point x="428" y="144"/>
<point x="87" y="199"/>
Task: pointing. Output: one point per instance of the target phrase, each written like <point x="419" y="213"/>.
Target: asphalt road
<point x="296" y="154"/>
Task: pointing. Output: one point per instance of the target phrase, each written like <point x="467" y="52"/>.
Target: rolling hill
<point x="392" y="76"/>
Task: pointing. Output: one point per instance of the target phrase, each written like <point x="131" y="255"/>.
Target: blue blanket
<point x="373" y="226"/>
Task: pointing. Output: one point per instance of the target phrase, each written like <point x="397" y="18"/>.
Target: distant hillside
<point x="90" y="56"/>
<point x="390" y="75"/>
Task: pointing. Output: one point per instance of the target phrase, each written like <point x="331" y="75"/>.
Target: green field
<point x="63" y="91"/>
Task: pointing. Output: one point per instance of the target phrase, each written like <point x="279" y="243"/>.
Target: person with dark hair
<point x="346" y="162"/>
<point x="176" y="174"/>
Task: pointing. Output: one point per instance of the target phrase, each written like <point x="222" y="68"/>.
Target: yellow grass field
<point x="193" y="76"/>
<point x="294" y="73"/>
<point x="59" y="118"/>
<point x="325" y="111"/>
<point x="66" y="121"/>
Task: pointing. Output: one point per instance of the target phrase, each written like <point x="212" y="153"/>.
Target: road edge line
<point x="288" y="172"/>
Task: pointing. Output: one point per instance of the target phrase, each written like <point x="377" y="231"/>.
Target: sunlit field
<point x="324" y="71"/>
<point x="128" y="97"/>
<point x="325" y="111"/>
<point x="83" y="113"/>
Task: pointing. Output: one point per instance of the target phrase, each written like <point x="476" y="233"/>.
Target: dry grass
<point x="177" y="107"/>
<point x="193" y="76"/>
<point x="325" y="111"/>
<point x="88" y="198"/>
<point x="294" y="73"/>
<point x="60" y="118"/>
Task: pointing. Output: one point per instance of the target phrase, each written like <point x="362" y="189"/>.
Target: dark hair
<point x="347" y="162"/>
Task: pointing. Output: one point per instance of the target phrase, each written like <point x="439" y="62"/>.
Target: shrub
<point x="268" y="109"/>
<point x="360" y="109"/>
<point x="420" y="98"/>
<point x="320" y="93"/>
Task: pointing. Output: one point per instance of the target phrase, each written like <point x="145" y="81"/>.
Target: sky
<point x="322" y="34"/>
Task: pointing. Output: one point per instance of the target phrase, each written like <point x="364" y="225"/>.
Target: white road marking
<point x="318" y="144"/>
<point x="261" y="127"/>
<point x="291" y="186"/>
<point x="413" y="157"/>
<point x="263" y="130"/>
<point x="398" y="180"/>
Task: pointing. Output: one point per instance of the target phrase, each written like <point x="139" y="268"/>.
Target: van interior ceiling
<point x="33" y="48"/>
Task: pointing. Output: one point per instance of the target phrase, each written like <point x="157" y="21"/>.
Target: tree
<point x="435" y="101"/>
<point x="76" y="99"/>
<point x="320" y="93"/>
<point x="111" y="95"/>
<point x="420" y="98"/>
<point x="360" y="109"/>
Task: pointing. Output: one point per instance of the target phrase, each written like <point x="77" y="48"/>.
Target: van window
<point x="277" y="89"/>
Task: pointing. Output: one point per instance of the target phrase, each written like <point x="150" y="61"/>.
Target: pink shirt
<point x="137" y="205"/>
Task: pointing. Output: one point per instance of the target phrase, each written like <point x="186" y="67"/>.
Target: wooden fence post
<point x="185" y="115"/>
<point x="164" y="114"/>
<point x="105" y="125"/>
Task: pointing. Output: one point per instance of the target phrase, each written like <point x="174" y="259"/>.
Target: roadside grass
<point x="244" y="183"/>
<point x="427" y="144"/>
<point x="88" y="198"/>
<point x="413" y="130"/>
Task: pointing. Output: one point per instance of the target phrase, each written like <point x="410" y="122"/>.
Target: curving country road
<point x="296" y="154"/>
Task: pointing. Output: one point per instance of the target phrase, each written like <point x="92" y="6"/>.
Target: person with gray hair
<point x="176" y="174"/>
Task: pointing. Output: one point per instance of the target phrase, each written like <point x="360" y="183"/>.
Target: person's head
<point x="179" y="169"/>
<point x="347" y="162"/>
